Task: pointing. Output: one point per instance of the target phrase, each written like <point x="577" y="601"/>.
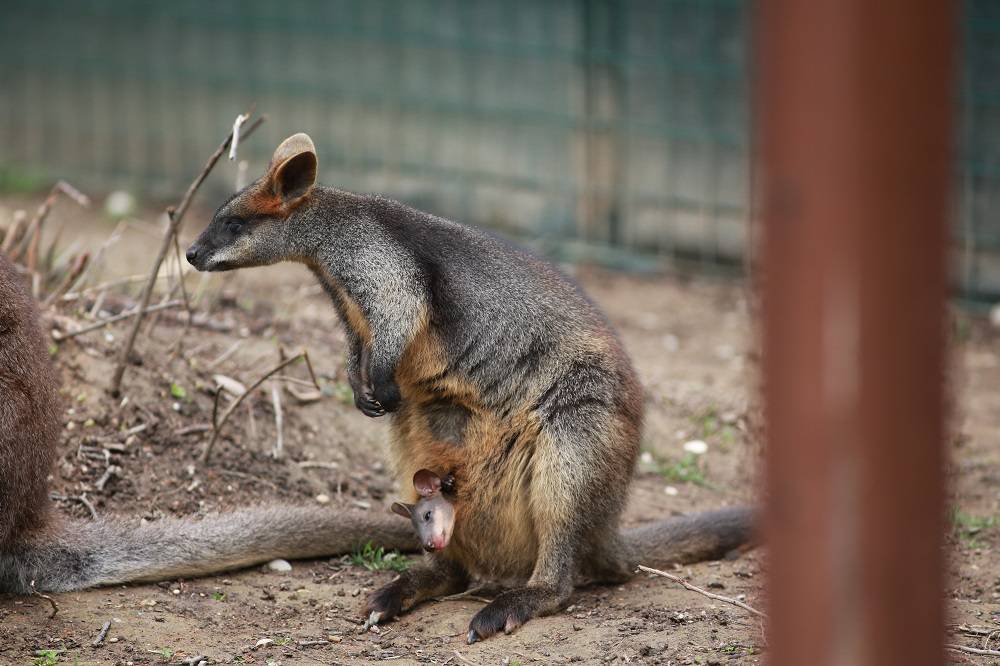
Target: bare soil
<point x="693" y="345"/>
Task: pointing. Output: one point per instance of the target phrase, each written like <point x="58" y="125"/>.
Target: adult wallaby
<point x="61" y="555"/>
<point x="494" y="365"/>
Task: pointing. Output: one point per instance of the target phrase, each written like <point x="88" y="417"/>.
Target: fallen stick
<point x="52" y="602"/>
<point x="104" y="286"/>
<point x="82" y="499"/>
<point x="279" y="444"/>
<point x="102" y="634"/>
<point x="176" y="216"/>
<point x="58" y="337"/>
<point x="219" y="423"/>
<point x="971" y="650"/>
<point x="695" y="588"/>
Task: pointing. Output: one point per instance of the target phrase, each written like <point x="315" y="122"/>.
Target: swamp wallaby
<point x="60" y="555"/>
<point x="494" y="365"/>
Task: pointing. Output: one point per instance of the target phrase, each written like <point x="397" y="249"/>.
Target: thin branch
<point x="79" y="265"/>
<point x="970" y="650"/>
<point x="15" y="233"/>
<point x="207" y="452"/>
<point x="225" y="355"/>
<point x="82" y="499"/>
<point x="710" y="595"/>
<point x="279" y="444"/>
<point x="187" y="300"/>
<point x="111" y="320"/>
<point x="104" y="286"/>
<point x="33" y="235"/>
<point x="175" y="217"/>
<point x="52" y="602"/>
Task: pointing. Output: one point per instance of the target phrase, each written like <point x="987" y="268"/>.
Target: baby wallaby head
<point x="433" y="516"/>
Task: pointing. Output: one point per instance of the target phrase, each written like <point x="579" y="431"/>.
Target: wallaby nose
<point x="192" y="254"/>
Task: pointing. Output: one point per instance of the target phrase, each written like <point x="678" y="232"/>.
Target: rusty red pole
<point x="854" y="131"/>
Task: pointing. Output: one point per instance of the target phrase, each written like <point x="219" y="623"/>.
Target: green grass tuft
<point x="376" y="559"/>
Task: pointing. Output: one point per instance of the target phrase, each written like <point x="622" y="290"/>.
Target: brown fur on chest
<point x="494" y="535"/>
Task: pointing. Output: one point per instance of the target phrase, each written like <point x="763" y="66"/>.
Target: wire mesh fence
<point x="612" y="128"/>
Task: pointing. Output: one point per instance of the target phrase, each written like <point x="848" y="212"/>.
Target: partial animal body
<point x="61" y="555"/>
<point x="493" y="365"/>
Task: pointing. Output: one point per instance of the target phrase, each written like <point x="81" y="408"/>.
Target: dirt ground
<point x="692" y="344"/>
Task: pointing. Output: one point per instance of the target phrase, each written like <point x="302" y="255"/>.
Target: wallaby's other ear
<point x="426" y="483"/>
<point x="404" y="510"/>
<point x="293" y="168"/>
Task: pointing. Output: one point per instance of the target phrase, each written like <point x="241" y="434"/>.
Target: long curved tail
<point x="75" y="555"/>
<point x="694" y="538"/>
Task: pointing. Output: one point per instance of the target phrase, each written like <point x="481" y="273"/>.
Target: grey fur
<point x="76" y="555"/>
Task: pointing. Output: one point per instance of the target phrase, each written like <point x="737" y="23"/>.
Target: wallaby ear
<point x="426" y="483"/>
<point x="404" y="510"/>
<point x="293" y="167"/>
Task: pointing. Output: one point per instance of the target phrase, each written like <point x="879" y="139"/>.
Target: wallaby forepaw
<point x="383" y="604"/>
<point x="365" y="401"/>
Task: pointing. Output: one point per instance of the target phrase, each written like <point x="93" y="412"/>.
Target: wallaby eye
<point x="234" y="225"/>
<point x="427" y="517"/>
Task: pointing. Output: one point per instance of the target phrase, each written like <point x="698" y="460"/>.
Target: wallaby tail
<point x="702" y="536"/>
<point x="73" y="555"/>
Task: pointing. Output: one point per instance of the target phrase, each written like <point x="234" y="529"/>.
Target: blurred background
<point x="598" y="129"/>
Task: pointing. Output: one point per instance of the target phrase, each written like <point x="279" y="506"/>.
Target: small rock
<point x="696" y="446"/>
<point x="281" y="566"/>
<point x="671" y="490"/>
<point x="323" y="499"/>
<point x="995" y="315"/>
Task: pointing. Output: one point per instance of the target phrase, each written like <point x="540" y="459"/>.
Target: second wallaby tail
<point x="701" y="536"/>
<point x="73" y="555"/>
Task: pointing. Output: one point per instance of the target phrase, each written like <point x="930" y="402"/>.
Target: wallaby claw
<point x="372" y="620"/>
<point x="368" y="405"/>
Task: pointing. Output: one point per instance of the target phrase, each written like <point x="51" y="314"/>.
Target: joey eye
<point x="427" y="517"/>
<point x="234" y="225"/>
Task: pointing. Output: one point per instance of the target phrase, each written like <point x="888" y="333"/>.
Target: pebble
<point x="323" y="499"/>
<point x="281" y="566"/>
<point x="671" y="490"/>
<point x="696" y="446"/>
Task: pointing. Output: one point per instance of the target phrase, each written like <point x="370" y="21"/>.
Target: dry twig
<point x="102" y="634"/>
<point x="971" y="650"/>
<point x="218" y="423"/>
<point x="111" y="320"/>
<point x="710" y="595"/>
<point x="279" y="444"/>
<point x="82" y="499"/>
<point x="52" y="602"/>
<point x="176" y="216"/>
<point x="72" y="275"/>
